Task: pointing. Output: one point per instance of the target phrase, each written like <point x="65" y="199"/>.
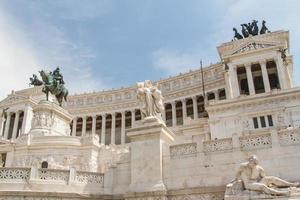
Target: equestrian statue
<point x="52" y="82"/>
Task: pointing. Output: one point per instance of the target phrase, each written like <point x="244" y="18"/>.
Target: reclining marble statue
<point x="150" y="99"/>
<point x="252" y="177"/>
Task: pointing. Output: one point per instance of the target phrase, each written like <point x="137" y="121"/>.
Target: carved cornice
<point x="254" y="43"/>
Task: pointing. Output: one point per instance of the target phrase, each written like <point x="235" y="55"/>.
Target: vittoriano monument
<point x="52" y="82"/>
<point x="250" y="29"/>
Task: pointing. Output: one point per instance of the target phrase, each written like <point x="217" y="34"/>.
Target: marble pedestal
<point x="148" y="139"/>
<point x="50" y="119"/>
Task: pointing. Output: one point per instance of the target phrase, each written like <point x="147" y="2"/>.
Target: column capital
<point x="248" y="65"/>
<point x="84" y="117"/>
<point x="103" y="115"/>
<point x="173" y="103"/>
<point x="94" y="116"/>
<point x="113" y="114"/>
<point x="262" y="62"/>
<point x="183" y="100"/>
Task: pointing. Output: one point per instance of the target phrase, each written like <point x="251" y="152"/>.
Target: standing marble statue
<point x="150" y="99"/>
<point x="252" y="177"/>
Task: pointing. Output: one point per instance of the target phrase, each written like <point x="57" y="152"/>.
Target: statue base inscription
<point x="49" y="119"/>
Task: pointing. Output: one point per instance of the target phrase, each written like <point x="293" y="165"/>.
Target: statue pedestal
<point x="147" y="140"/>
<point x="49" y="119"/>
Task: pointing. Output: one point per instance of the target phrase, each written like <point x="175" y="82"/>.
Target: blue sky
<point x="104" y="44"/>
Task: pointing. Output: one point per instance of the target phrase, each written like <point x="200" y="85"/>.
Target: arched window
<point x="44" y="164"/>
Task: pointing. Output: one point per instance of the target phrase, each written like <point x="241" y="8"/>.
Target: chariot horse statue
<point x="52" y="82"/>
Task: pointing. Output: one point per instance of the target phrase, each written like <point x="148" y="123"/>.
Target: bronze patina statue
<point x="264" y="28"/>
<point x="250" y="29"/>
<point x="237" y="35"/>
<point x="52" y="82"/>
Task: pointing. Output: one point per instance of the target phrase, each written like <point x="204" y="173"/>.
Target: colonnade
<point x="252" y="71"/>
<point x="111" y="127"/>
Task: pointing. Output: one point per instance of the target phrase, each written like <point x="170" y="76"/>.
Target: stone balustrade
<point x="289" y="137"/>
<point x="243" y="143"/>
<point x="217" y="145"/>
<point x="14" y="174"/>
<point x="256" y="141"/>
<point x="50" y="176"/>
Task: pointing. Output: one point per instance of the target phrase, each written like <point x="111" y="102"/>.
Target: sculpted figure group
<point x="150" y="99"/>
<point x="250" y="29"/>
<point x="252" y="177"/>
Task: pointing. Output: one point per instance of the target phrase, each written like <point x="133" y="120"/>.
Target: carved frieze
<point x="183" y="150"/>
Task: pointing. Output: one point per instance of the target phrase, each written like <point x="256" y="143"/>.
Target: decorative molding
<point x="217" y="145"/>
<point x="251" y="142"/>
<point x="289" y="137"/>
<point x="183" y="150"/>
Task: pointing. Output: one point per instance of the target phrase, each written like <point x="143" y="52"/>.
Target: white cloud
<point x="17" y="59"/>
<point x="42" y="45"/>
<point x="174" y="61"/>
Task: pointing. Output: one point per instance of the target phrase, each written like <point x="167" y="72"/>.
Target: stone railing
<point x="14" y="174"/>
<point x="89" y="178"/>
<point x="182" y="150"/>
<point x="53" y="175"/>
<point x="289" y="137"/>
<point x="244" y="143"/>
<point x="217" y="145"/>
<point x="43" y="175"/>
<point x="258" y="141"/>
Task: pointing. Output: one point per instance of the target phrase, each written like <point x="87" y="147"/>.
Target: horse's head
<point x="44" y="75"/>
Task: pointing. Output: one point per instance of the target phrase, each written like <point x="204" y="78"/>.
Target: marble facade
<point x="103" y="148"/>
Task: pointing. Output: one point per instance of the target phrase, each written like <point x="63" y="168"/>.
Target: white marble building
<point x="253" y="108"/>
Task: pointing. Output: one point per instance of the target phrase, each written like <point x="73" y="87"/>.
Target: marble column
<point x="195" y="107"/>
<point x="94" y="125"/>
<point x="27" y="118"/>
<point x="216" y="95"/>
<point x="250" y="79"/>
<point x="173" y="103"/>
<point x="163" y="114"/>
<point x="233" y="81"/>
<point x="123" y="127"/>
<point x="16" y="125"/>
<point x="2" y="119"/>
<point x="7" y="125"/>
<point x="281" y="72"/>
<point x="103" y="125"/>
<point x="74" y="126"/>
<point x="184" y="114"/>
<point x="113" y="128"/>
<point x="265" y="75"/>
<point x="83" y="126"/>
<point x="132" y="117"/>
